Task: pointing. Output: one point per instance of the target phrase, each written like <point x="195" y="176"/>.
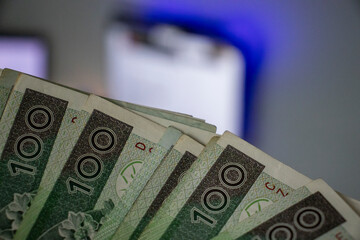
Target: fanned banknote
<point x="90" y="174"/>
<point x="7" y="81"/>
<point x="120" y="211"/>
<point x="77" y="166"/>
<point x="162" y="113"/>
<point x="353" y="203"/>
<point x="31" y="120"/>
<point x="165" y="178"/>
<point x="198" y="130"/>
<point x="230" y="182"/>
<point x="201" y="132"/>
<point x="312" y="212"/>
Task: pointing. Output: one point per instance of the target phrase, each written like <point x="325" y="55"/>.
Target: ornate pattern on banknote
<point x="182" y="192"/>
<point x="9" y="116"/>
<point x="4" y="94"/>
<point x="131" y="161"/>
<point x="150" y="191"/>
<point x="146" y="205"/>
<point x="216" y="197"/>
<point x="83" y="177"/>
<point x="171" y="182"/>
<point x="262" y="216"/>
<point x="307" y="219"/>
<point x="265" y="191"/>
<point x="25" y="155"/>
<point x="68" y="134"/>
<point x="124" y="202"/>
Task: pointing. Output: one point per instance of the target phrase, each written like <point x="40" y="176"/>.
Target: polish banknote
<point x="87" y="176"/>
<point x="76" y="166"/>
<point x="231" y="181"/>
<point x="29" y="126"/>
<point x="311" y="212"/>
<point x="18" y="170"/>
<point x="117" y="215"/>
<point x="7" y="81"/>
<point x="353" y="203"/>
<point x="161" y="183"/>
<point x="200" y="131"/>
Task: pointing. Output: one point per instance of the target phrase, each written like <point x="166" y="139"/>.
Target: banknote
<point x="2" y="103"/>
<point x="314" y="211"/>
<point x="353" y="203"/>
<point x="201" y="132"/>
<point x="118" y="214"/>
<point x="87" y="176"/>
<point x="159" y="112"/>
<point x="28" y="128"/>
<point x="124" y="200"/>
<point x="111" y="205"/>
<point x="184" y="122"/>
<point x="196" y="128"/>
<point x="7" y="81"/>
<point x="161" y="183"/>
<point x="231" y="181"/>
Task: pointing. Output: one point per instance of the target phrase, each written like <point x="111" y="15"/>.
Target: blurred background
<point x="283" y="75"/>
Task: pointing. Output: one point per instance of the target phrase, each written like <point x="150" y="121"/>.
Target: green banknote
<point x="88" y="174"/>
<point x="353" y="203"/>
<point x="7" y="81"/>
<point x="161" y="183"/>
<point x="35" y="112"/>
<point x="314" y="211"/>
<point x="201" y="132"/>
<point x="158" y="112"/>
<point x="231" y="181"/>
<point x="196" y="128"/>
<point x="117" y="215"/>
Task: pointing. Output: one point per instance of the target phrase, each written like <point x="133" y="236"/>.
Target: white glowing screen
<point x="24" y="54"/>
<point x="182" y="72"/>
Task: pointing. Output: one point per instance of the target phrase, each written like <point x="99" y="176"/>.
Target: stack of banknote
<point x="79" y="166"/>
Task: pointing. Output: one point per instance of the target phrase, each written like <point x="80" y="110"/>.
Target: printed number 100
<point x="216" y="200"/>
